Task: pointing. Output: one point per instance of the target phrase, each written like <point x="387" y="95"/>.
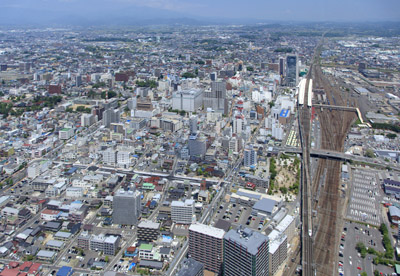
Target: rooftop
<point x="247" y="239"/>
<point x="149" y="224"/>
<point x="146" y="246"/>
<point x="265" y="205"/>
<point x="207" y="230"/>
<point x="190" y="267"/>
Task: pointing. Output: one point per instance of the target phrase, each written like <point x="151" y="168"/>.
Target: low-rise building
<point x="46" y="255"/>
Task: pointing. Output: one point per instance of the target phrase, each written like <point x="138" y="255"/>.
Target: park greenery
<point x="148" y="83"/>
<point x="188" y="75"/>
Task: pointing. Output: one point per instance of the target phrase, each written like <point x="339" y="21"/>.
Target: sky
<point x="120" y="11"/>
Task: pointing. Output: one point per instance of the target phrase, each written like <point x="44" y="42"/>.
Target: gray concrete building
<point x="246" y="252"/>
<point x="189" y="100"/>
<point x="126" y="207"/>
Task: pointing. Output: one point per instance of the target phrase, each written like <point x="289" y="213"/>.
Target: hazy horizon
<point x="97" y="12"/>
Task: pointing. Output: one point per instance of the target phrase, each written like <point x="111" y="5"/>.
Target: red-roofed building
<point x="35" y="269"/>
<point x="49" y="215"/>
<point x="54" y="89"/>
<point x="25" y="266"/>
<point x="13" y="264"/>
<point x="26" y="269"/>
<point x="9" y="272"/>
<point x="250" y="186"/>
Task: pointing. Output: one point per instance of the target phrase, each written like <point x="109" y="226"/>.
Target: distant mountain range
<point x="87" y="13"/>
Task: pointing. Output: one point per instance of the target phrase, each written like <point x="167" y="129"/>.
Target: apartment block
<point x="206" y="246"/>
<point x="148" y="231"/>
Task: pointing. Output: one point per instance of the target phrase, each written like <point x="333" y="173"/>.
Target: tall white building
<point x="87" y="120"/>
<point x="111" y="116"/>
<point x="238" y="124"/>
<point x="277" y="250"/>
<point x="277" y="131"/>
<point x="233" y="145"/>
<point x="182" y="212"/>
<point x="123" y="158"/>
<point x="109" y="156"/>
<point x="193" y="124"/>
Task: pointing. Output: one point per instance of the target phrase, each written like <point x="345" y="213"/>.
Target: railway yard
<point x="329" y="206"/>
<point x="322" y="199"/>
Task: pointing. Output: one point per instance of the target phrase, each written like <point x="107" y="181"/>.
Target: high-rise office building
<point x="292" y="70"/>
<point x="250" y="157"/>
<point x="197" y="146"/>
<point x="182" y="212"/>
<point x="246" y="253"/>
<point x="238" y="124"/>
<point x="87" y="119"/>
<point x="78" y="80"/>
<point x="206" y="246"/>
<point x="216" y="98"/>
<point x="111" y="116"/>
<point x="126" y="207"/>
<point x="193" y="124"/>
<point x="213" y="76"/>
<point x="282" y="68"/>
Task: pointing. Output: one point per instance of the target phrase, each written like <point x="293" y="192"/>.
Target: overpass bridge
<point x="322" y="153"/>
<point x="342" y="108"/>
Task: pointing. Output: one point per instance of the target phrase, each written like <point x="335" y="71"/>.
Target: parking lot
<point x="237" y="215"/>
<point x="364" y="197"/>
<point x="350" y="261"/>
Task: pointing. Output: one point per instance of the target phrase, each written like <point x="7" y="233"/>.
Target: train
<point x="301" y="94"/>
<point x="310" y="93"/>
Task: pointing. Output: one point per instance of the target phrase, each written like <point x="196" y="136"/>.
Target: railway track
<point x="306" y="191"/>
<point x="334" y="127"/>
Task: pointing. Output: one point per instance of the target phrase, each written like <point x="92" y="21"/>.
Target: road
<point x="207" y="215"/>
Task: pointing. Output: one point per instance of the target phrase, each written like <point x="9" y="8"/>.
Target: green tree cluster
<point x="283" y="50"/>
<point x="99" y="85"/>
<point x="272" y="174"/>
<point x="110" y="94"/>
<point x="148" y="83"/>
<point x="188" y="75"/>
<point x="360" y="247"/>
<point x="391" y="135"/>
<point x="83" y="109"/>
<point x="386" y="242"/>
<point x="386" y="126"/>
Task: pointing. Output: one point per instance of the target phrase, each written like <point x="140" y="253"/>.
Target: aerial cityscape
<point x="173" y="146"/>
